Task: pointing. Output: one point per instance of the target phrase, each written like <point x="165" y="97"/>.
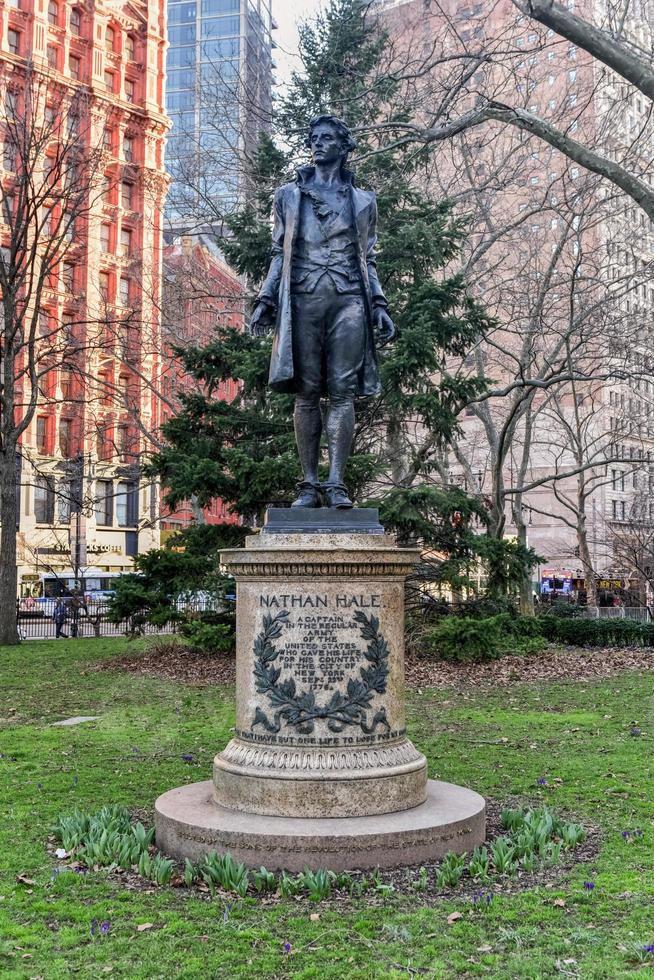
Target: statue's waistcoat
<point x="326" y="244"/>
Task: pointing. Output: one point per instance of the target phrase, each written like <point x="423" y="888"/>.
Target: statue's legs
<point x="328" y="351"/>
<point x="344" y="353"/>
<point x="339" y="426"/>
<point x="308" y="428"/>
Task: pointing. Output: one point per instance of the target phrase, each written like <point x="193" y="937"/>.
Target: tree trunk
<point x="526" y="597"/>
<point x="585" y="559"/>
<point x="8" y="568"/>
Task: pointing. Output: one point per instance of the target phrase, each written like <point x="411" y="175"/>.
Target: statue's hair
<point x="341" y="128"/>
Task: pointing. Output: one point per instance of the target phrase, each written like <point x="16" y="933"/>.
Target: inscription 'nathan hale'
<point x="312" y="667"/>
<point x="343" y="601"/>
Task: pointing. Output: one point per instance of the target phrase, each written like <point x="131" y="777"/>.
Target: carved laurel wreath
<point x="298" y="708"/>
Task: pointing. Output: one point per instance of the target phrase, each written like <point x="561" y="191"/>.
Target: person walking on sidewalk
<point x="59" y="617"/>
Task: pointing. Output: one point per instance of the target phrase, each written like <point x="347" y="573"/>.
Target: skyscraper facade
<point x="219" y="78"/>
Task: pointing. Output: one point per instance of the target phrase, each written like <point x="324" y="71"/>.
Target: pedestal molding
<point x="338" y="762"/>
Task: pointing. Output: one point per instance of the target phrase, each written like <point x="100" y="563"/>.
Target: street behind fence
<point x="92" y="620"/>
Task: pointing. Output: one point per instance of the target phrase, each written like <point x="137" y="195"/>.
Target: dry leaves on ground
<point x="175" y="662"/>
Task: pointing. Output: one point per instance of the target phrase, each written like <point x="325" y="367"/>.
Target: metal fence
<point x="90" y="620"/>
<point x="638" y="613"/>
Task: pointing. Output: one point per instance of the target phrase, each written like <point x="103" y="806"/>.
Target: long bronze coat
<point x="276" y="289"/>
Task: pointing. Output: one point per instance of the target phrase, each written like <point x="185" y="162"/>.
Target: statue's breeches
<point x="329" y="331"/>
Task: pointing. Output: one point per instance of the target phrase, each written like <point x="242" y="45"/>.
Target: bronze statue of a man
<point x="323" y="294"/>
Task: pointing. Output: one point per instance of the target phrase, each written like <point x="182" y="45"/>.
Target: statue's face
<point x="326" y="144"/>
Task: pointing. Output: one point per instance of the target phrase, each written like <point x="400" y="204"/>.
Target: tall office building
<point x="219" y="69"/>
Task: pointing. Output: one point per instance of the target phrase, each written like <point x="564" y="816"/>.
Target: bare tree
<point x="480" y="75"/>
<point x="48" y="187"/>
<point x="633" y="541"/>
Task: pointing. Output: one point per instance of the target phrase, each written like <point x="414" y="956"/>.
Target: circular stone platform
<point x="190" y="824"/>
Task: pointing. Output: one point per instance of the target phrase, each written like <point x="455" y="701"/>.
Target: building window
<point x="130" y="89"/>
<point x="107" y="190"/>
<point x="124" y="291"/>
<point x="8" y="208"/>
<point x="126" y="505"/>
<point x="11" y="104"/>
<point x="68" y="278"/>
<point x="104" y="515"/>
<point x="64" y="501"/>
<point x="126" y="191"/>
<point x="104" y="280"/>
<point x="122" y="337"/>
<point x="44" y="499"/>
<point x="122" y="444"/>
<point x="53" y="13"/>
<point x="105" y="238"/>
<point x="66" y="437"/>
<point x="66" y="386"/>
<point x="109" y="81"/>
<point x="52" y="53"/>
<point x="10" y="156"/>
<point x="42" y="434"/>
<point x="103" y="442"/>
<point x="125" y="241"/>
<point x="105" y="386"/>
<point x="128" y="148"/>
<point x="50" y="174"/>
<point x="110" y="39"/>
<point x="75" y="66"/>
<point x="13" y="41"/>
<point x="130" y="47"/>
<point x="75" y="22"/>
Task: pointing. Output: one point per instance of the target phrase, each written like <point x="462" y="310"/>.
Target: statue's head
<point x="328" y="139"/>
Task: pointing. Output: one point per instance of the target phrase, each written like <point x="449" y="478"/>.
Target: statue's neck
<point x="328" y="174"/>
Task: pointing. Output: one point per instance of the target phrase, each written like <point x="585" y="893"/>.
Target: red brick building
<point x="200" y="293"/>
<point x="97" y="406"/>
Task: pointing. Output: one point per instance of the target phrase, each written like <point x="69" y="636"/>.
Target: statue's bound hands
<point x="262" y="320"/>
<point x="383" y="326"/>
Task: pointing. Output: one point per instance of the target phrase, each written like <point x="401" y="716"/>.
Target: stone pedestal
<point x="320" y="772"/>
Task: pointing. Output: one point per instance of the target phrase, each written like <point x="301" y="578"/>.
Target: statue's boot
<point x="308" y="495"/>
<point x="336" y="496"/>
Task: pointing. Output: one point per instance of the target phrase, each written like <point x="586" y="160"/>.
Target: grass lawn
<point x="577" y="736"/>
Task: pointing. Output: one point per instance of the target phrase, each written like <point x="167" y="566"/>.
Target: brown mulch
<point x="554" y="663"/>
<point x="174" y="662"/>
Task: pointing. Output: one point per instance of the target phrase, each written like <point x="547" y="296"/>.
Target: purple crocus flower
<point x="541" y="781"/>
<point x="589" y="885"/>
<point x="286" y="947"/>
<point x="104" y="928"/>
<point x="187" y="757"/>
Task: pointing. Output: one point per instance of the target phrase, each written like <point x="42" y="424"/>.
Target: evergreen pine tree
<point x="243" y="451"/>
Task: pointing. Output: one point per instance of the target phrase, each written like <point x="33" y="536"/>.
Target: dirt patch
<point x="174" y="662"/>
